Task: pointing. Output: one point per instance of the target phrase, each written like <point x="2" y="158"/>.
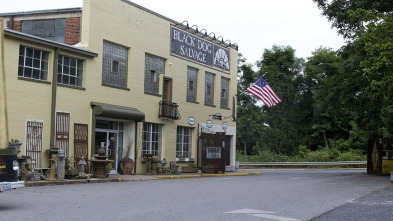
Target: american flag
<point x="262" y="90"/>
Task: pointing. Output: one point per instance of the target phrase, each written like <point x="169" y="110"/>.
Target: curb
<point x="66" y="182"/>
<point x="206" y="175"/>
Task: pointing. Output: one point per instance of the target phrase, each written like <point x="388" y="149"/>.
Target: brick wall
<point x="72" y="31"/>
<point x="17" y="26"/>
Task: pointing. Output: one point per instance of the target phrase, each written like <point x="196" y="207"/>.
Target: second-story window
<point x="209" y="89"/>
<point x="114" y="65"/>
<point x="224" y="92"/>
<point x="154" y="66"/>
<point x="33" y="63"/>
<point x="191" y="84"/>
<point x="69" y="71"/>
<point x="51" y="29"/>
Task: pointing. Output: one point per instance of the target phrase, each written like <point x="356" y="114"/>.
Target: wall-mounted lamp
<point x="187" y="26"/>
<point x="230" y="44"/>
<point x="196" y="30"/>
<point x="236" y="46"/>
<point x="205" y="34"/>
<point x="222" y="39"/>
<point x="214" y="35"/>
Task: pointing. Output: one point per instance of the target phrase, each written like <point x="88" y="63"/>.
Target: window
<point x="224" y="92"/>
<point x="191" y="81"/>
<point x="153" y="76"/>
<point x="151" y="140"/>
<point x="69" y="71"/>
<point x="51" y="29"/>
<point x="33" y="63"/>
<point x="183" y="142"/>
<point x="154" y="66"/>
<point x="114" y="65"/>
<point x="209" y="89"/>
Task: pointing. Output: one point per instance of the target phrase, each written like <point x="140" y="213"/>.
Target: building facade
<point x="118" y="76"/>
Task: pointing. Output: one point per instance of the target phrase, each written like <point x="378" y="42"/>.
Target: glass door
<point x="109" y="141"/>
<point x="111" y="149"/>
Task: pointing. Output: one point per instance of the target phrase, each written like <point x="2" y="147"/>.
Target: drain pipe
<point x="53" y="149"/>
<point x="3" y="97"/>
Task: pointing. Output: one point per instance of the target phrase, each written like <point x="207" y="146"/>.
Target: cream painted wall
<point x="142" y="32"/>
<point x="27" y="99"/>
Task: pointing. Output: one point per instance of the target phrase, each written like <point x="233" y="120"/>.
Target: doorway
<point x="109" y="136"/>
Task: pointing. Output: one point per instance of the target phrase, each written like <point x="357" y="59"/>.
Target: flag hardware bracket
<point x="216" y="116"/>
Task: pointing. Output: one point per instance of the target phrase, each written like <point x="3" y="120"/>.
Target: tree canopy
<point x="334" y="99"/>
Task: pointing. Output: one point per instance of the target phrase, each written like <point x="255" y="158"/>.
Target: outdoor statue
<point x="82" y="165"/>
<point x="148" y="160"/>
<point x="29" y="172"/>
<point x="163" y="164"/>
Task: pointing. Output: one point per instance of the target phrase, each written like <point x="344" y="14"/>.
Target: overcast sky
<point x="255" y="25"/>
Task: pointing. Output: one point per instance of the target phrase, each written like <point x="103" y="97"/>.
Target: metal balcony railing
<point x="169" y="110"/>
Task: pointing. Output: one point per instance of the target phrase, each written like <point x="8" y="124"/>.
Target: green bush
<point x="305" y="155"/>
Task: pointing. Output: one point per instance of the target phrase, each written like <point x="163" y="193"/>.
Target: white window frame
<point x="149" y="142"/>
<point x="180" y="141"/>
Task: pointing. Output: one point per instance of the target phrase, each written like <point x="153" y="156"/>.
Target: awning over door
<point x="115" y="111"/>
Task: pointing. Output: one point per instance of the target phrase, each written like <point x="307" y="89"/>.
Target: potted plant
<point x="127" y="164"/>
<point x="15" y="145"/>
<point x="108" y="168"/>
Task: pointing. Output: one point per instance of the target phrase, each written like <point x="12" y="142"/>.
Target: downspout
<point x="136" y="145"/>
<point x="53" y="149"/>
<point x="11" y="22"/>
<point x="3" y="97"/>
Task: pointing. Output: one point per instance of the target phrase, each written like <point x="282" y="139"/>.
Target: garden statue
<point x="148" y="160"/>
<point x="82" y="165"/>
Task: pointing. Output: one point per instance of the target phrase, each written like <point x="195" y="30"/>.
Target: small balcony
<point x="169" y="110"/>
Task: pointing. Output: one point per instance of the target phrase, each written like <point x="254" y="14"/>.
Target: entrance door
<point x="167" y="90"/>
<point x="167" y="98"/>
<point x="211" y="152"/>
<point x="109" y="141"/>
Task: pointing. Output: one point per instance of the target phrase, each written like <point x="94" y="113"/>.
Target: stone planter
<point x="15" y="147"/>
<point x="189" y="169"/>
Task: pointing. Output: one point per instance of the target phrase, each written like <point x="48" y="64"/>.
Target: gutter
<point x="38" y="40"/>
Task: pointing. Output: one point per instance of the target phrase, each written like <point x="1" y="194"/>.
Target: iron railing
<point x="169" y="110"/>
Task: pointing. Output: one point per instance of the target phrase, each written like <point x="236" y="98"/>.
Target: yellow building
<point x="117" y="76"/>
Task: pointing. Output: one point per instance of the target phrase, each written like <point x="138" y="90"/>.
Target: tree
<point x="338" y="12"/>
<point x="249" y="116"/>
<point x="285" y="121"/>
<point x="377" y="66"/>
<point x="368" y="60"/>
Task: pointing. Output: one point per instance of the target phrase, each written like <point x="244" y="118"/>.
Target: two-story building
<point x="118" y="76"/>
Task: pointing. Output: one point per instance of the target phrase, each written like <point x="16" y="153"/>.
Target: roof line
<point x="169" y="19"/>
<point x="21" y="35"/>
<point x="47" y="11"/>
<point x="150" y="11"/>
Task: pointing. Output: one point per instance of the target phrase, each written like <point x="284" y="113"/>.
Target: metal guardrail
<point x="336" y="163"/>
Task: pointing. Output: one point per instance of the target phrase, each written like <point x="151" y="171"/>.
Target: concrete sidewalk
<point x="129" y="178"/>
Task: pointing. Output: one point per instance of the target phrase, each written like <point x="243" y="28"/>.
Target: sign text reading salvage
<point x="192" y="47"/>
